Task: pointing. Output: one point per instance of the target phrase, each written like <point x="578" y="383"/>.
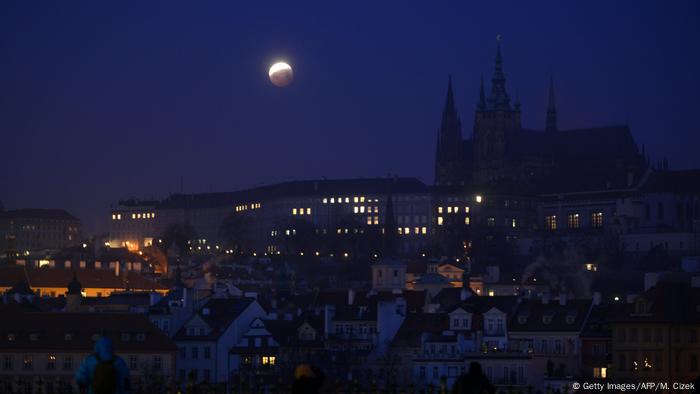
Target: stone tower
<point x="449" y="155"/>
<point x="74" y="295"/>
<point x="495" y="121"/>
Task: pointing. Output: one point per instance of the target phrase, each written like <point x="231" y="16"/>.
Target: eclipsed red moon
<point x="281" y="74"/>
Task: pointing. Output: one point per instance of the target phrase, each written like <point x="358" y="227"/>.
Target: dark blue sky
<point x="101" y="101"/>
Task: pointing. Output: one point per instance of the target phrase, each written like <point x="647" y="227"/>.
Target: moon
<point x="281" y="74"/>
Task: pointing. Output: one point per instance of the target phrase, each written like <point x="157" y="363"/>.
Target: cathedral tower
<point x="495" y="121"/>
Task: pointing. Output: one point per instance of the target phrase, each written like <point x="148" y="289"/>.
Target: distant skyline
<point x="105" y="101"/>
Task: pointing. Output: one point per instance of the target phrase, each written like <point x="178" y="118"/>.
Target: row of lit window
<point x="28" y="362"/>
<point x="441" y="220"/>
<point x="146" y="215"/>
<point x="574" y="220"/>
<point x="416" y="230"/>
<point x="452" y="209"/>
<point x="245" y="207"/>
<point x="340" y="200"/>
<point x="361" y="209"/>
<point x="301" y="211"/>
<point x="372" y="220"/>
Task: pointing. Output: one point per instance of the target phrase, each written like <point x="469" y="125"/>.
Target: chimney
<point x="562" y="299"/>
<point x="597" y="298"/>
<point x="464" y="294"/>
<point x="328" y="314"/>
<point x="351" y="296"/>
<point x="650" y="280"/>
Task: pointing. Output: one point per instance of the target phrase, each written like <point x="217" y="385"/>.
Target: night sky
<point x="101" y="101"/>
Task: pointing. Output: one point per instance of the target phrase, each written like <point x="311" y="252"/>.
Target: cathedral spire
<point x="499" y="100"/>
<point x="551" y="124"/>
<point x="481" y="106"/>
<point x="449" y="113"/>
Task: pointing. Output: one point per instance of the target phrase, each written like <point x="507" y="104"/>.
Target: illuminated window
<point x="574" y="220"/>
<point x="268" y="360"/>
<point x="478" y="199"/>
<point x="466" y="209"/>
<point x="439" y="209"/>
<point x="355" y="199"/>
<point x="456" y="209"/>
<point x="449" y="209"/>
<point x="597" y="219"/>
<point x="114" y="217"/>
<point x="439" y="220"/>
<point x="362" y="209"/>
<point x="356" y="209"/>
<point x="308" y="211"/>
<point x="119" y="216"/>
<point x="491" y="293"/>
<point x="332" y="200"/>
<point x="400" y="230"/>
<point x="376" y="220"/>
<point x="491" y="222"/>
<point x="513" y="223"/>
<point x="325" y="200"/>
<point x="133" y="216"/>
<point x="424" y="230"/>
<point x="369" y="220"/>
<point x="347" y="199"/>
<point x="406" y="230"/>
<point x="416" y="230"/>
<point x="466" y="220"/>
<point x="550" y="222"/>
<point x="362" y="199"/>
<point x="294" y="211"/>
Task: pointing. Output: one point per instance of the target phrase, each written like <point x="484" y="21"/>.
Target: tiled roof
<point x="668" y="303"/>
<point x="88" y="278"/>
<point x="416" y="324"/>
<point x="218" y="313"/>
<point x="324" y="187"/>
<point x="48" y="331"/>
<point x="533" y="315"/>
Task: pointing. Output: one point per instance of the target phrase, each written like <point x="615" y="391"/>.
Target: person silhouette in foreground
<point x="307" y="380"/>
<point x="473" y="382"/>
<point x="103" y="372"/>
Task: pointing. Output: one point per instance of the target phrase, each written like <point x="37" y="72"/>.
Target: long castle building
<point x="503" y="180"/>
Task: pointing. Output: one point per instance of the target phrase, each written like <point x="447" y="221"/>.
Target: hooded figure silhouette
<point x="103" y="372"/>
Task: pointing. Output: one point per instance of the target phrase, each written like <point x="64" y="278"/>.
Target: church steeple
<point x="450" y="119"/>
<point x="449" y="162"/>
<point x="499" y="100"/>
<point x="551" y="124"/>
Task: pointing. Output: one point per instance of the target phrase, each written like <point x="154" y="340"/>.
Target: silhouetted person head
<point x="475" y="368"/>
<point x="474" y="382"/>
<point x="307" y="380"/>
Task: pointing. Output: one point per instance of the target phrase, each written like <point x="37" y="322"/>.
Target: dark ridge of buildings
<point x="323" y="187"/>
<point x="38" y="213"/>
